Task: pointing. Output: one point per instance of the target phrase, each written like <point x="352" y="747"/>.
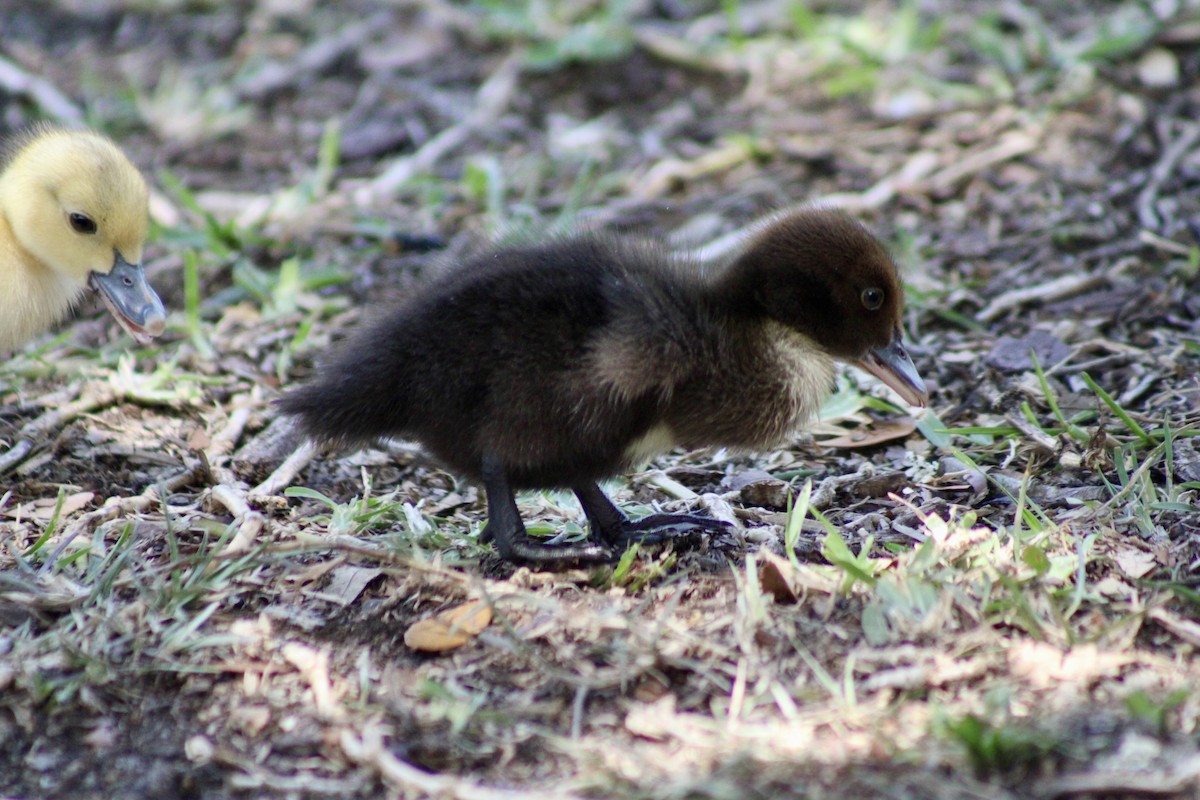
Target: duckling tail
<point x="343" y="409"/>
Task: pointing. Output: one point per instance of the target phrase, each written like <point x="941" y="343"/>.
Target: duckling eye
<point x="82" y="223"/>
<point x="872" y="298"/>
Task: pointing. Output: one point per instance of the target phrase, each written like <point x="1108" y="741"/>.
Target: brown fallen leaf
<point x="788" y="583"/>
<point x="1135" y="563"/>
<point x="874" y="433"/>
<point x="452" y="628"/>
<point x="777" y="577"/>
<point x="347" y="582"/>
<point x="42" y="509"/>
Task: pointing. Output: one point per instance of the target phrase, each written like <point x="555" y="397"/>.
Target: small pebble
<point x="199" y="749"/>
<point x="1158" y="68"/>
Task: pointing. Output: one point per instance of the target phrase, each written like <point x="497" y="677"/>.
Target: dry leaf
<point x="873" y="433"/>
<point x="788" y="582"/>
<point x="347" y="582"/>
<point x="1135" y="563"/>
<point x="42" y="510"/>
<point x="777" y="577"/>
<point x="1043" y="664"/>
<point x="452" y="628"/>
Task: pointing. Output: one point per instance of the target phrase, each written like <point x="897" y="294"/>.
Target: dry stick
<point x="222" y="444"/>
<point x="369" y="750"/>
<point x="93" y="396"/>
<point x="1185" y="629"/>
<point x="1147" y="216"/>
<point x="116" y="507"/>
<point x="1163" y="243"/>
<point x="286" y="472"/>
<point x="1166" y="781"/>
<point x="664" y="482"/>
<point x="1015" y="143"/>
<point x="1056" y="289"/>
<point x="914" y="170"/>
<point x="315" y="58"/>
<point x="659" y="179"/>
<point x="48" y="98"/>
<point x="249" y="522"/>
<point x="681" y="52"/>
<point x="229" y="491"/>
<point x="1041" y="438"/>
<point x="492" y="100"/>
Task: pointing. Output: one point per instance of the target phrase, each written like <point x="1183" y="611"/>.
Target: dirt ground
<point x="195" y="604"/>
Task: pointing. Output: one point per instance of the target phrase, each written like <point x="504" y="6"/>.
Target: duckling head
<point x="78" y="206"/>
<point x="823" y="274"/>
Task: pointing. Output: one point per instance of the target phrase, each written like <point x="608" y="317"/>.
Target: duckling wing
<point x="577" y="378"/>
<point x="553" y="360"/>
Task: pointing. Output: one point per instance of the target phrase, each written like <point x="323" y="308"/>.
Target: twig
<point x="48" y="98"/>
<point x="1016" y="143"/>
<point x="93" y="396"/>
<point x="222" y="444"/>
<point x="664" y="175"/>
<point x="250" y="522"/>
<point x="286" y="472"/>
<point x="1185" y="629"/>
<point x="681" y="52"/>
<point x="15" y="455"/>
<point x="228" y="490"/>
<point x="1147" y="216"/>
<point x="370" y="751"/>
<point x="1163" y="243"/>
<point x="1042" y="439"/>
<point x="491" y="101"/>
<point x="317" y="57"/>
<point x="660" y="480"/>
<point x="914" y="170"/>
<point x="116" y="507"/>
<point x="1056" y="289"/>
<point x="1168" y="780"/>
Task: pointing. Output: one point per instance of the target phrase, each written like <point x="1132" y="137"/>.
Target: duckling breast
<point x="765" y="382"/>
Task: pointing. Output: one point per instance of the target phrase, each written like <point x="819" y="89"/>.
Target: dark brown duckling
<point x="562" y="364"/>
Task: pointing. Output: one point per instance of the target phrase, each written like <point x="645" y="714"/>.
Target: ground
<point x="995" y="597"/>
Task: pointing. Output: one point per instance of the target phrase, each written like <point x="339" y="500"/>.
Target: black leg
<point x="504" y="525"/>
<point x="615" y="529"/>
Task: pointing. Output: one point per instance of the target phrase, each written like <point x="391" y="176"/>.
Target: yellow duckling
<point x="73" y="215"/>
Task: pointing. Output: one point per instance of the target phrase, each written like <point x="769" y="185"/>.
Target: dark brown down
<point x="561" y="364"/>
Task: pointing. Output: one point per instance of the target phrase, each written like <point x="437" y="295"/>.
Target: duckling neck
<point x="761" y="379"/>
<point x="32" y="295"/>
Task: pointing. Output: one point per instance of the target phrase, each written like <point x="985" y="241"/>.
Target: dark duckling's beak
<point x="891" y="364"/>
<point x="131" y="300"/>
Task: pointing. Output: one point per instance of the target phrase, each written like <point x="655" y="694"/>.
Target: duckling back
<point x="506" y="355"/>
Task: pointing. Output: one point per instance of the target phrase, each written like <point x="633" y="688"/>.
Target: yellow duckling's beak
<point x="130" y="299"/>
